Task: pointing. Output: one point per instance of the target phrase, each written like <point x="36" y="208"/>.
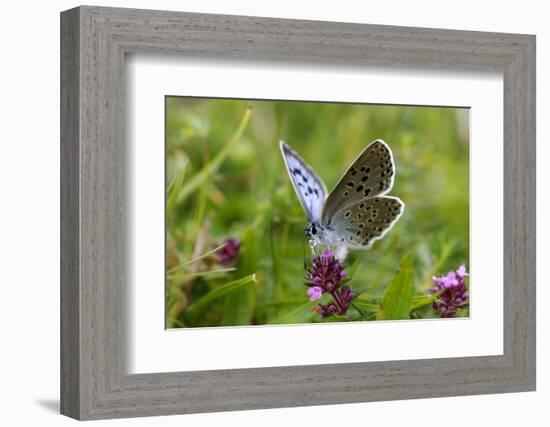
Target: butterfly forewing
<point x="370" y="175"/>
<point x="311" y="191"/>
<point x="360" y="224"/>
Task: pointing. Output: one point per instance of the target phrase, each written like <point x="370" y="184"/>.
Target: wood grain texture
<point x="70" y="291"/>
<point x="94" y="382"/>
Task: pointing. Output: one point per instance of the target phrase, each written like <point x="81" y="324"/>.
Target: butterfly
<point x="356" y="213"/>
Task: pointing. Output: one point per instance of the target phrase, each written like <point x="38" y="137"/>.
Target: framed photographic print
<point x="262" y="213"/>
<point x="247" y="245"/>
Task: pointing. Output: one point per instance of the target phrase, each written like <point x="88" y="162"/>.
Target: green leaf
<point x="300" y="314"/>
<point x="463" y="312"/>
<point x="365" y="305"/>
<point x="221" y="291"/>
<point x="419" y="302"/>
<point x="397" y="301"/>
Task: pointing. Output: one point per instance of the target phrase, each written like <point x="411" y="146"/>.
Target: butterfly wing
<point x="310" y="189"/>
<point x="370" y="175"/>
<point x="361" y="224"/>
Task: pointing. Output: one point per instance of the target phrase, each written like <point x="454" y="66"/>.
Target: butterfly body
<point x="356" y="212"/>
<point x="321" y="235"/>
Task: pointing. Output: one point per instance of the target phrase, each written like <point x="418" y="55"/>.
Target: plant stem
<point x="186" y="263"/>
<point x="199" y="273"/>
<point x="336" y="298"/>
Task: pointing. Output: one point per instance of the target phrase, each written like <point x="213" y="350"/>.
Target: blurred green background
<point x="226" y="179"/>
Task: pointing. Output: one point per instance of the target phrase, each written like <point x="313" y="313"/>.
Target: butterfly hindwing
<point x="370" y="175"/>
<point x="362" y="223"/>
<point x="310" y="189"/>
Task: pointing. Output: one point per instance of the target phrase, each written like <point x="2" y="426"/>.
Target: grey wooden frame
<point x="94" y="41"/>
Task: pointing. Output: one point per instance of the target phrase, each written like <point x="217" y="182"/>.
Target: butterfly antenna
<point x="304" y="248"/>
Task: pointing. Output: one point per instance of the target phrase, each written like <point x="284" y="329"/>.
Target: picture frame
<point x="94" y="380"/>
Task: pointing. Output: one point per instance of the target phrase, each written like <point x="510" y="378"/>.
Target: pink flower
<point x="326" y="271"/>
<point x="314" y="293"/>
<point x="450" y="280"/>
<point x="325" y="276"/>
<point x="454" y="293"/>
<point x="461" y="271"/>
<point x="229" y="252"/>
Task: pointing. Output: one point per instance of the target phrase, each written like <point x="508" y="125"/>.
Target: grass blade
<point x="195" y="182"/>
<point x="421" y="302"/>
<point x="173" y="191"/>
<point x="239" y="306"/>
<point x="199" y="273"/>
<point x="186" y="263"/>
<point x="221" y="291"/>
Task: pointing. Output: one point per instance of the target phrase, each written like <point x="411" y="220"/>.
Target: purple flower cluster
<point x="325" y="276"/>
<point x="229" y="252"/>
<point x="342" y="300"/>
<point x="453" y="292"/>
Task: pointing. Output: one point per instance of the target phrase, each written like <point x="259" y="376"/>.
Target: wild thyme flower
<point x="314" y="293"/>
<point x="345" y="295"/>
<point x="454" y="293"/>
<point x="342" y="300"/>
<point x="229" y="253"/>
<point x="325" y="276"/>
<point x="326" y="310"/>
<point x="326" y="272"/>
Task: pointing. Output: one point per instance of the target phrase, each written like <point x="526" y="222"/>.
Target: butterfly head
<point x="315" y="233"/>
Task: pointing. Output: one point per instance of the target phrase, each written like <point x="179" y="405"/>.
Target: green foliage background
<point x="226" y="178"/>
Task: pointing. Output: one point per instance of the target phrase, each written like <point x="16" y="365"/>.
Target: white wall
<point x="29" y="226"/>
